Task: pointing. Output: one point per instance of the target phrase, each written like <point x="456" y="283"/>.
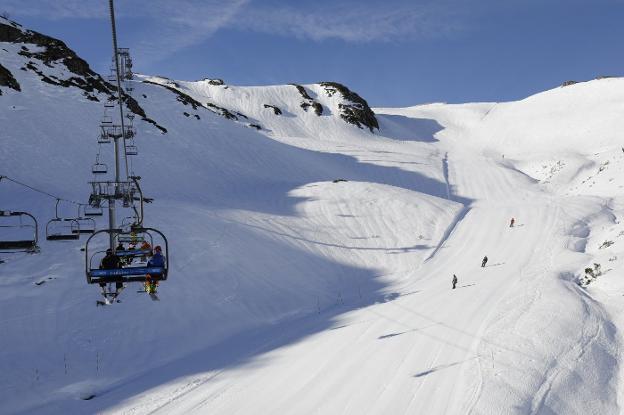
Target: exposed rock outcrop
<point x="308" y="101"/>
<point x="356" y="111"/>
<point x="276" y="110"/>
<point x="7" y="79"/>
<point x="188" y="100"/>
<point x="44" y="51"/>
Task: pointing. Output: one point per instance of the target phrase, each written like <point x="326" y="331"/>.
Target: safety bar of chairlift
<point x="131" y="274"/>
<point x="133" y="252"/>
<point x="130" y="239"/>
<point x="34" y="244"/>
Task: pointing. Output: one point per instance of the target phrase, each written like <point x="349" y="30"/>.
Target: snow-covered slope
<point x="294" y="292"/>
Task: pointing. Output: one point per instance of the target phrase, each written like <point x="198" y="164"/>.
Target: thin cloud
<point x="354" y="22"/>
<point x="183" y="23"/>
<point x="163" y="26"/>
<point x="56" y="10"/>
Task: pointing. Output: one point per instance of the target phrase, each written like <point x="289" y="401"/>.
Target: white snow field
<point x="290" y="293"/>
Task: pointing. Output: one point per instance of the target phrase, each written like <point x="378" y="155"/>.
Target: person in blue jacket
<point x="158" y="260"/>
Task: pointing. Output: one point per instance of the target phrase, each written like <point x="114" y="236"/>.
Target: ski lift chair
<point x="12" y="237"/>
<point x="87" y="225"/>
<point x="93" y="211"/>
<point x="131" y="150"/>
<point x="62" y="229"/>
<point x="93" y="258"/>
<point x="104" y="138"/>
<point x="99" y="168"/>
<point x="129" y="222"/>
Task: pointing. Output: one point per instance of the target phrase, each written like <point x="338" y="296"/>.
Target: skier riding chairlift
<point x="111" y="261"/>
<point x="157" y="260"/>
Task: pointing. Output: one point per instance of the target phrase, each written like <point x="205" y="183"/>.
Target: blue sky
<point x="392" y="52"/>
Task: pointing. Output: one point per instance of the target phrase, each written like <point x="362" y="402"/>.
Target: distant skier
<point x="454" y="281"/>
<point x="485" y="260"/>
<point x="511" y="224"/>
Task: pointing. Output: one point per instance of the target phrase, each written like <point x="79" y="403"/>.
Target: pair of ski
<point x="153" y="295"/>
<point x="106" y="301"/>
<point x="109" y="297"/>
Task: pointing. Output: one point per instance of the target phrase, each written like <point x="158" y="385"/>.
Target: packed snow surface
<point x="311" y="261"/>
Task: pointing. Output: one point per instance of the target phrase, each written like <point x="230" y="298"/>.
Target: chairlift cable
<point x="38" y="190"/>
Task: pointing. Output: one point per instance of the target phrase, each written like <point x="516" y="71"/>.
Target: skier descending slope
<point x="485" y="260"/>
<point x="511" y="224"/>
<point x="454" y="281"/>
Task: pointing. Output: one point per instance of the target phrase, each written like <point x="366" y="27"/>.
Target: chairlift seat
<point x="87" y="225"/>
<point x="131" y="151"/>
<point x="64" y="237"/>
<point x="63" y="229"/>
<point x="20" y="243"/>
<point x="138" y="272"/>
<point x="99" y="168"/>
<point x="93" y="211"/>
<point x="10" y="245"/>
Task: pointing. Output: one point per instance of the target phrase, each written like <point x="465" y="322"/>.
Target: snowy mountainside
<point x="243" y="214"/>
<point x="279" y="107"/>
<point x="301" y="249"/>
